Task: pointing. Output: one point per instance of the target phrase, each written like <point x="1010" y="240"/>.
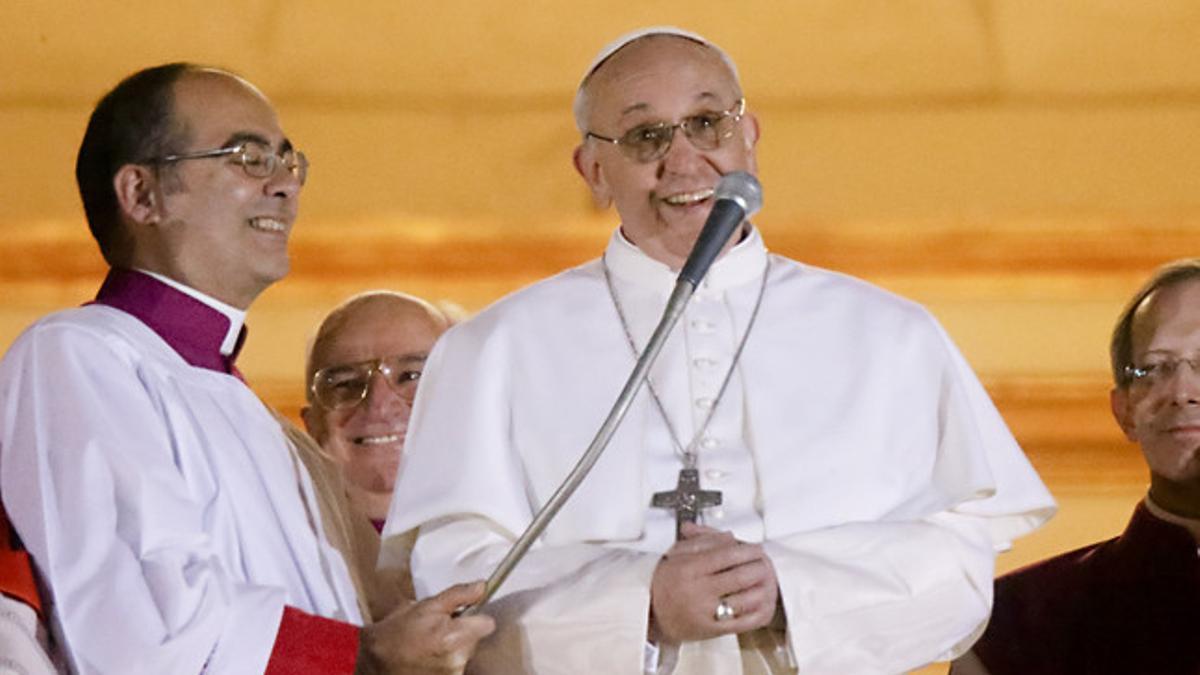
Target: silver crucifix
<point x="687" y="499"/>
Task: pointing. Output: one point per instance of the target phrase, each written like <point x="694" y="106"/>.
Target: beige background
<point x="1019" y="166"/>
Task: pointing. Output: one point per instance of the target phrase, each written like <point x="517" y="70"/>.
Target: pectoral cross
<point x="687" y="499"/>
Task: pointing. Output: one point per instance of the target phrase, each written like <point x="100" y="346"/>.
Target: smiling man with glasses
<point x="170" y="517"/>
<point x="863" y="481"/>
<point x="363" y="371"/>
<point x="1130" y="604"/>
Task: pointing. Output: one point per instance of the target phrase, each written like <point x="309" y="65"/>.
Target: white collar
<point x="740" y="264"/>
<point x="1192" y="525"/>
<point x="236" y="316"/>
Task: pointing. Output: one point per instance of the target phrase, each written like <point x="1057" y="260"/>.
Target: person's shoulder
<point x="93" y="329"/>
<point x="1070" y="567"/>
<point x="1039" y="612"/>
<point x="559" y="286"/>
<point x="1056" y="563"/>
<point x="835" y="282"/>
<point x="811" y="283"/>
<point x="84" y="324"/>
<point x="91" y="318"/>
<point x="547" y="299"/>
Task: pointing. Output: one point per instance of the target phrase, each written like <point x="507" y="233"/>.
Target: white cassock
<point x="853" y="441"/>
<point x="161" y="502"/>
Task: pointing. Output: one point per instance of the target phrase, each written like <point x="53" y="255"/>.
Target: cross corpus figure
<point x="687" y="499"/>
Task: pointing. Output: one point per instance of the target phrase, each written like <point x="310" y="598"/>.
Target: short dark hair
<point x="132" y="123"/>
<point x="1121" y="347"/>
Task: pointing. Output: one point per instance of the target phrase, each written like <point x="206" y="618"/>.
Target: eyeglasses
<point x="649" y="142"/>
<point x="345" y="386"/>
<point x="1158" y="372"/>
<point x="256" y="159"/>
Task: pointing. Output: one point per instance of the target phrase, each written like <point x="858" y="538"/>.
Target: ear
<point x="750" y="135"/>
<point x="588" y="166"/>
<point x="312" y="422"/>
<point x="138" y="195"/>
<point x="1118" y="400"/>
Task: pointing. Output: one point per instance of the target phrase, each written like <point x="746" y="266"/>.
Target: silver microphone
<point x="738" y="196"/>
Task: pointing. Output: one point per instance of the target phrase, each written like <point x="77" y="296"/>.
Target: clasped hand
<point x="699" y="570"/>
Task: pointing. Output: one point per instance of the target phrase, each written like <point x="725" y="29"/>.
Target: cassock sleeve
<point x="883" y="597"/>
<point x="572" y="608"/>
<point x="88" y="477"/>
<point x="915" y="584"/>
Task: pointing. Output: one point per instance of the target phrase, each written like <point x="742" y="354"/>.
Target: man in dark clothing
<point x="1130" y="604"/>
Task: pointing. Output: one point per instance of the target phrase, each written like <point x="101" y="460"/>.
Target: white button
<point x="709" y="443"/>
<point x="714" y="474"/>
<point x="704" y="403"/>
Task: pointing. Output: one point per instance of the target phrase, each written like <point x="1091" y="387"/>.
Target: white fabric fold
<point x="854" y="440"/>
<point x="159" y="501"/>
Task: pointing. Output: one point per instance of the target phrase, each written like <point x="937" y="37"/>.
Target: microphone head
<point x="741" y="188"/>
<point x="736" y="197"/>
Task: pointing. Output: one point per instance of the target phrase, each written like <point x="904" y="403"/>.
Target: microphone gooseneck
<point x="738" y="196"/>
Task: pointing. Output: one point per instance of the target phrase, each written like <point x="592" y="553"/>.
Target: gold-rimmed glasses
<point x="256" y="159"/>
<point x="345" y="386"/>
<point x="649" y="142"/>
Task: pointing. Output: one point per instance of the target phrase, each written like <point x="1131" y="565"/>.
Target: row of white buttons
<point x="705" y="366"/>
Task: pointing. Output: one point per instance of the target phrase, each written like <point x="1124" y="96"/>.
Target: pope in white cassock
<point x="174" y="525"/>
<point x="866" y="481"/>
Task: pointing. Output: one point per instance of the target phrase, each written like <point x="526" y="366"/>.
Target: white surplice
<point x="853" y="441"/>
<point x="23" y="647"/>
<point x="161" y="502"/>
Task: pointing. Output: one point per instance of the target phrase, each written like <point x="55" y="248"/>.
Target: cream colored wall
<point x="1017" y="165"/>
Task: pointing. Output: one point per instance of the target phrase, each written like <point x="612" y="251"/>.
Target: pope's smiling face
<point x="662" y="203"/>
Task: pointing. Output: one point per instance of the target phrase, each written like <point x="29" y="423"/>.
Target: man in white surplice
<point x="867" y="480"/>
<point x="169" y="516"/>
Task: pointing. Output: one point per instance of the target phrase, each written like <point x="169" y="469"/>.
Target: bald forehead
<point x="645" y="51"/>
<point x="215" y="77"/>
<point x="222" y="103"/>
<point x="655" y="56"/>
<point x="1176" y="306"/>
<point x="376" y="309"/>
